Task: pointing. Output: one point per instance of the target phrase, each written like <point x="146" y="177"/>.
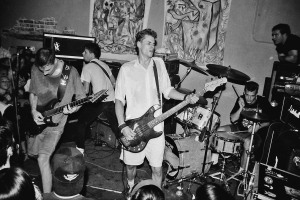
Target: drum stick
<point x="233" y="132"/>
<point x="235" y="91"/>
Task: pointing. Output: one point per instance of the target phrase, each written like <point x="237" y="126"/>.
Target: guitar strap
<point x="156" y="81"/>
<point x="63" y="82"/>
<point x="105" y="72"/>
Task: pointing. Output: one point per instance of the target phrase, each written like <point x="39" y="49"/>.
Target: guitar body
<point x="50" y="110"/>
<point x="47" y="119"/>
<point x="143" y="132"/>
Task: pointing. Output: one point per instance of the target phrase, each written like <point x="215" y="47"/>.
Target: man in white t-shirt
<point x="98" y="75"/>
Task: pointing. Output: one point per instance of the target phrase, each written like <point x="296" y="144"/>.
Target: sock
<point x="80" y="149"/>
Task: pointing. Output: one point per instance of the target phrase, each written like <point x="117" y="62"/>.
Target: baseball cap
<point x="68" y="167"/>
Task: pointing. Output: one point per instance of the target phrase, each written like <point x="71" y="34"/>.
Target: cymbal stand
<point x="207" y="131"/>
<point x="245" y="173"/>
<point x="189" y="69"/>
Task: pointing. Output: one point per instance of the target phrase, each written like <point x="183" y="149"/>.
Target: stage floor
<point x="105" y="175"/>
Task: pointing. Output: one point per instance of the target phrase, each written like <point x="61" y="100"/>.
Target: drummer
<point x="242" y="127"/>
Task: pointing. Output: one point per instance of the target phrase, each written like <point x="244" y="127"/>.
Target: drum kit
<point x="188" y="156"/>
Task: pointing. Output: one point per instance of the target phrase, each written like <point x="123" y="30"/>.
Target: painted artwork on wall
<point x="196" y="29"/>
<point x="116" y="22"/>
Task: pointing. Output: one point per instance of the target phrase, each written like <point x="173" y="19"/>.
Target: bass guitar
<point x="143" y="126"/>
<point x="50" y="110"/>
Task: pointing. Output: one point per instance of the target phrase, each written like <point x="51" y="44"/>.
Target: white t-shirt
<point x="93" y="74"/>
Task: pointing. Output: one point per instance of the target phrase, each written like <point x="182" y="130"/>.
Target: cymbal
<point x="233" y="75"/>
<point x="193" y="66"/>
<point x="255" y="116"/>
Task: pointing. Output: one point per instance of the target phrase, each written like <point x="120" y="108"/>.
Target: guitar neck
<point x="60" y="109"/>
<point x="170" y="112"/>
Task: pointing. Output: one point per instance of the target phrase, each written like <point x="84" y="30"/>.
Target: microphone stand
<point x="15" y="87"/>
<point x="207" y="131"/>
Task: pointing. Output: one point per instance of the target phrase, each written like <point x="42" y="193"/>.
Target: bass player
<point x="136" y="87"/>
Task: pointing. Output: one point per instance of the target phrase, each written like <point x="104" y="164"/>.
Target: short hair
<point x="251" y="86"/>
<point x="44" y="56"/>
<point x="212" y="191"/>
<point x="16" y="184"/>
<point x="141" y="34"/>
<point x="93" y="48"/>
<point x="6" y="140"/>
<point x="148" y="192"/>
<point x="283" y="28"/>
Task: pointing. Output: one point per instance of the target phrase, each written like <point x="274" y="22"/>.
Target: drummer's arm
<point x="264" y="124"/>
<point x="234" y="117"/>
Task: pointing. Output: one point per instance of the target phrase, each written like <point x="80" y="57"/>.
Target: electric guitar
<point x="143" y="126"/>
<point x="50" y="110"/>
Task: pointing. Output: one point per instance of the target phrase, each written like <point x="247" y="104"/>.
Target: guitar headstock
<point x="212" y="85"/>
<point x="96" y="96"/>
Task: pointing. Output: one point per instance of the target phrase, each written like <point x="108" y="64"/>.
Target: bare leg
<point x="131" y="173"/>
<point x="44" y="165"/>
<point x="157" y="175"/>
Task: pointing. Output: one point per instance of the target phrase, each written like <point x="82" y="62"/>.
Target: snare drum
<point x="184" y="156"/>
<point x="198" y="118"/>
<point x="227" y="143"/>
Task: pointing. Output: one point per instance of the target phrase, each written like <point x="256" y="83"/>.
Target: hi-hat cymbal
<point x="233" y="75"/>
<point x="193" y="66"/>
<point x="255" y="116"/>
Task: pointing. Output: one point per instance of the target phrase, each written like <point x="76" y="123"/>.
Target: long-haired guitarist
<point x="46" y="80"/>
<point x="136" y="87"/>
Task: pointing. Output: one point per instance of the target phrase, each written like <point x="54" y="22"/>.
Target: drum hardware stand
<point x="245" y="172"/>
<point x="222" y="173"/>
<point x="189" y="69"/>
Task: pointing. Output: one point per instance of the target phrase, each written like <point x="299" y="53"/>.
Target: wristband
<point x="120" y="127"/>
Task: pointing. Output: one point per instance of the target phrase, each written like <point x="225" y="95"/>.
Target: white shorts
<point x="154" y="152"/>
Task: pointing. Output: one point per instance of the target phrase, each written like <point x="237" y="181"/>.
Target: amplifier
<point x="290" y="112"/>
<point x="274" y="183"/>
<point x="66" y="46"/>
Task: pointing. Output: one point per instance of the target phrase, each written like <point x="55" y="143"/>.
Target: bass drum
<point x="185" y="156"/>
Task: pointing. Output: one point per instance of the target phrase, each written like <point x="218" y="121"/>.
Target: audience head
<point x="6" y="143"/>
<point x="148" y="192"/>
<point x="89" y="49"/>
<point x="283" y="28"/>
<point x="4" y="83"/>
<point x="68" y="167"/>
<point x="44" y="57"/>
<point x="280" y="33"/>
<point x="212" y="191"/>
<point x="16" y="184"/>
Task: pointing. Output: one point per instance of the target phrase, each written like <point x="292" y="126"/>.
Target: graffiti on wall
<point x="115" y="24"/>
<point x="196" y="29"/>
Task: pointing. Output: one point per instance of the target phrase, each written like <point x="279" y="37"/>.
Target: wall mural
<point x="115" y="24"/>
<point x="196" y="29"/>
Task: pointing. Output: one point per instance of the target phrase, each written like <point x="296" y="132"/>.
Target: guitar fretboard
<point x="60" y="109"/>
<point x="170" y="112"/>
